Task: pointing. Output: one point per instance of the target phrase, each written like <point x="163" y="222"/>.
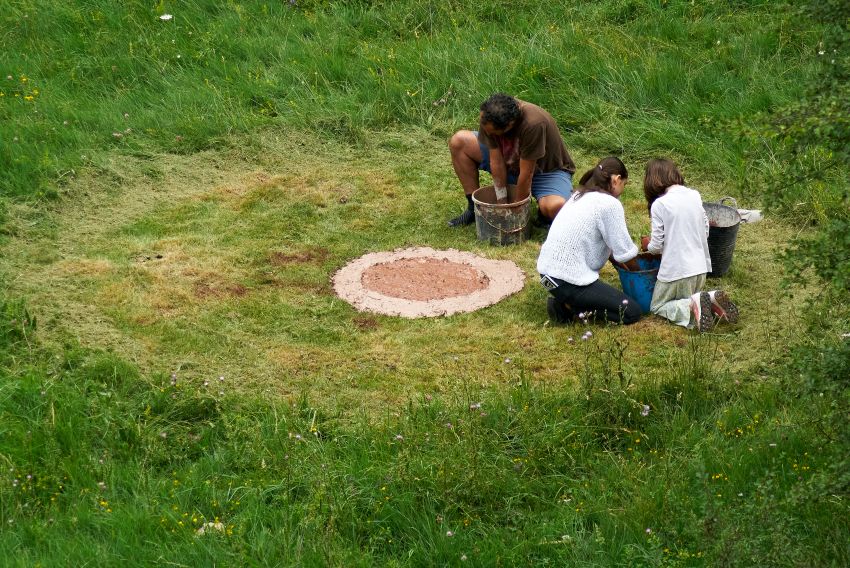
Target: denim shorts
<point x="558" y="182"/>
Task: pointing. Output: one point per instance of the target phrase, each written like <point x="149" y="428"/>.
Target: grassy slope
<point x="726" y="469"/>
<point x="228" y="273"/>
<point x="627" y="77"/>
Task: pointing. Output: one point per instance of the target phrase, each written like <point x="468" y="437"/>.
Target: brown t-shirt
<point x="535" y="136"/>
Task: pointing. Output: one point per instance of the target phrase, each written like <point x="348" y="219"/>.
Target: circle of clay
<point x="424" y="282"/>
<point x="425" y="278"/>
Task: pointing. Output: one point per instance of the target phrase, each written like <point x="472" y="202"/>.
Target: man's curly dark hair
<point x="500" y="110"/>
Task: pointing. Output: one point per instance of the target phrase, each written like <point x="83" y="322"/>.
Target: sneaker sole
<point x="724" y="307"/>
<point x="705" y="321"/>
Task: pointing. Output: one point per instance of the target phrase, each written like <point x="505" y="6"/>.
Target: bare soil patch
<point x="210" y="289"/>
<point x="424" y="278"/>
<point x="313" y="255"/>
<point x="365" y="323"/>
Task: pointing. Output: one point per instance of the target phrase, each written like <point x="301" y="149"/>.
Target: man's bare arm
<point x="499" y="171"/>
<point x="526" y="174"/>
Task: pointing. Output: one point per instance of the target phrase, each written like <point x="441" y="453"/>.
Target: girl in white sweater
<point x="680" y="235"/>
<point x="590" y="228"/>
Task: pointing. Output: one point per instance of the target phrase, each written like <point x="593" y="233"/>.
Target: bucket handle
<point x="501" y="230"/>
<point x="732" y="199"/>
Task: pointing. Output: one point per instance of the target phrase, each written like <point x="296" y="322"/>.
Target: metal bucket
<point x="501" y="224"/>
<point x="723" y="223"/>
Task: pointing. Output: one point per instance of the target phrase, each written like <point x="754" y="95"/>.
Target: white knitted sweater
<point x="583" y="235"/>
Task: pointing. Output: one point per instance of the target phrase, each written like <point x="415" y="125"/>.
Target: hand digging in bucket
<point x="680" y="228"/>
<point x="590" y="229"/>
<point x="518" y="143"/>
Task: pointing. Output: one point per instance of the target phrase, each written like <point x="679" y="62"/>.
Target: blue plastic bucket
<point x="641" y="284"/>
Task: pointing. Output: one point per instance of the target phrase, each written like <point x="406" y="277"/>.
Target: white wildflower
<point x="210" y="527"/>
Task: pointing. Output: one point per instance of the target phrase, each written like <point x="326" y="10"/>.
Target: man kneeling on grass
<point x="518" y="143"/>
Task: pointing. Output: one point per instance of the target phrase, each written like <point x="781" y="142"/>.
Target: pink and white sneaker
<point x="723" y="307"/>
<point x="701" y="310"/>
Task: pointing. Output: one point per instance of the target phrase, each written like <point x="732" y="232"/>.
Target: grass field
<point x="178" y="192"/>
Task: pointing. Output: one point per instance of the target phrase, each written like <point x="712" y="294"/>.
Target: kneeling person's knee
<point x="550" y="205"/>
<point x="631" y="313"/>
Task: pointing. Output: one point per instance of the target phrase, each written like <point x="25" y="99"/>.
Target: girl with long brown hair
<point x="680" y="235"/>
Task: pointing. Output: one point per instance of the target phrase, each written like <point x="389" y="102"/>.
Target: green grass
<point x="633" y="78"/>
<point x="528" y="474"/>
<point x="286" y="141"/>
<point x="232" y="276"/>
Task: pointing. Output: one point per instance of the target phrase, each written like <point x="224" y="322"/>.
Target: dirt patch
<point x="206" y="289"/>
<point x="423" y="282"/>
<point x="147" y="257"/>
<point x="424" y="278"/>
<point x="314" y="255"/>
<point x="365" y="323"/>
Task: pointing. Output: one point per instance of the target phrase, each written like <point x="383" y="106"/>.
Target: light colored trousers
<point x="672" y="300"/>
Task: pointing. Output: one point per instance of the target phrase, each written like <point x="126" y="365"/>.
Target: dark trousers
<point x="604" y="301"/>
